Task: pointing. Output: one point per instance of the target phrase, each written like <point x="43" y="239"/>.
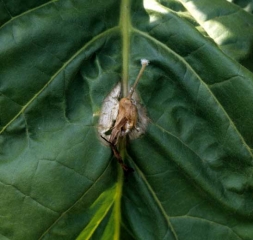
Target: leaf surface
<point x="193" y="166"/>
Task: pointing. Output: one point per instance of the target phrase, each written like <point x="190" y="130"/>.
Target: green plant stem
<point x="119" y="187"/>
<point x="125" y="25"/>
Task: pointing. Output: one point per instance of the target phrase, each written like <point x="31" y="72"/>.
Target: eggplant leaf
<point x="193" y="176"/>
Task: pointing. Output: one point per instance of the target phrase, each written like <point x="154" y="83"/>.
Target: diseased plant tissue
<point x="122" y="117"/>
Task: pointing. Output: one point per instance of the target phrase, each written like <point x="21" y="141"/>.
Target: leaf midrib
<point x="125" y="25"/>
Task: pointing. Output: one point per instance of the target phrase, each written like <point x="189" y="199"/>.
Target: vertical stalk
<point x="125" y="25"/>
<point x="117" y="203"/>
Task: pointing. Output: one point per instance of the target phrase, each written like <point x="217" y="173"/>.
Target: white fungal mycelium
<point x="109" y="111"/>
<point x="144" y="61"/>
<point x="110" y="108"/>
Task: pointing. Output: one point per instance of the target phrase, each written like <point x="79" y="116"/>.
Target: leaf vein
<point x="7" y="9"/>
<point x="26" y="12"/>
<point x="157" y="201"/>
<point x="209" y="221"/>
<point x="76" y="202"/>
<point x="27" y="196"/>
<point x="162" y="45"/>
<point x="56" y="74"/>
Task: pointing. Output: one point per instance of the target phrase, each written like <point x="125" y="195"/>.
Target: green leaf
<point x="193" y="176"/>
<point x="228" y="25"/>
<point x="247" y="5"/>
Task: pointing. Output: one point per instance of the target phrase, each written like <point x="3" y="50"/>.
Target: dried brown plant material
<point x="125" y="121"/>
<point x="119" y="118"/>
<point x="127" y="117"/>
<point x="116" y="153"/>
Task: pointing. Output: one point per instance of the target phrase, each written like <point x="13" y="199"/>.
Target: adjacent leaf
<point x="193" y="166"/>
<point x="228" y="25"/>
<point x="247" y="5"/>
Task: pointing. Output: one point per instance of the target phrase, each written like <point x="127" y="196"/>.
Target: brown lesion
<point x="127" y="117"/>
<point x="126" y="120"/>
